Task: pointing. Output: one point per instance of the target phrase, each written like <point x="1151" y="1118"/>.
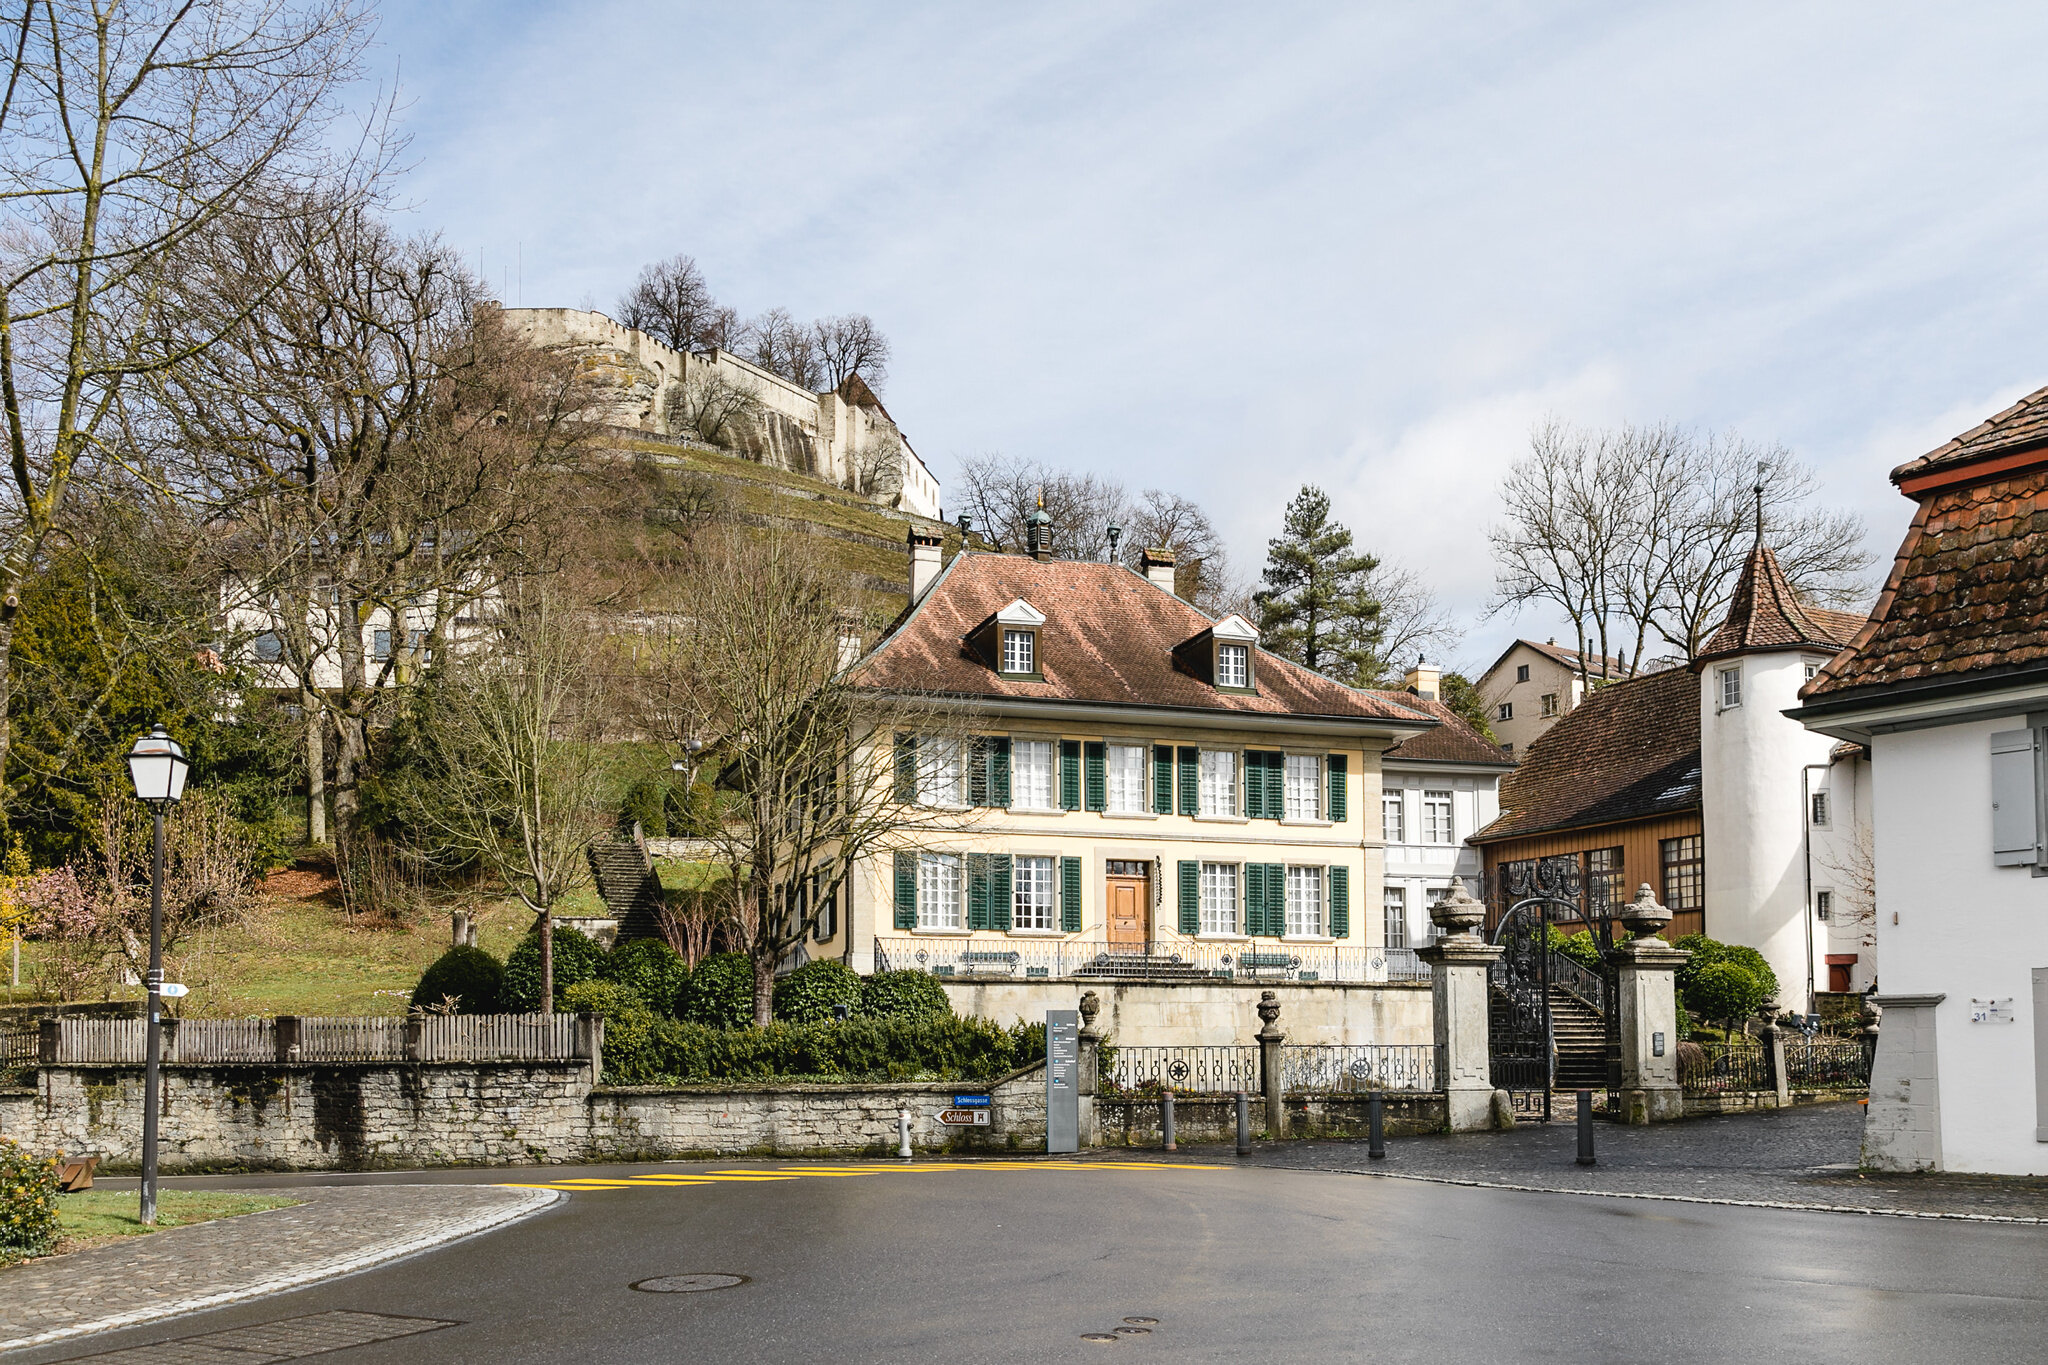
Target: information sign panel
<point x="1062" y="1081"/>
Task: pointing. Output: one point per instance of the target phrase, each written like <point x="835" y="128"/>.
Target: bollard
<point x="903" y="1133"/>
<point x="1586" y="1128"/>
<point x="1166" y="1103"/>
<point x="1244" y="1124"/>
<point x="1376" y="1127"/>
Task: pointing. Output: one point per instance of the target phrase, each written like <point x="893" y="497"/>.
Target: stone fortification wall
<point x="1202" y="1014"/>
<point x="1136" y="1122"/>
<point x="367" y="1117"/>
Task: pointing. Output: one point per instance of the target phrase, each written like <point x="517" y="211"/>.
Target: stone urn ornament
<point x="1457" y="914"/>
<point x="1642" y="916"/>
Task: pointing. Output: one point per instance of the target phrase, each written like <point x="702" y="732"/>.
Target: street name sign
<point x="964" y="1118"/>
<point x="171" y="990"/>
<point x="970" y="1102"/>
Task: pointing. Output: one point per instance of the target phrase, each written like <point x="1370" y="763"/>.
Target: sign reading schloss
<point x="964" y="1118"/>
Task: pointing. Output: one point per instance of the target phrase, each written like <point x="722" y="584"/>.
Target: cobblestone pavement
<point x="1804" y="1157"/>
<point x="179" y="1270"/>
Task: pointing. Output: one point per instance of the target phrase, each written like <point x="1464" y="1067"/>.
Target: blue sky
<point x="1230" y="249"/>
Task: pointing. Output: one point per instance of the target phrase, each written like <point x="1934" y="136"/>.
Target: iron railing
<point x="1186" y="1070"/>
<point x="1575" y="976"/>
<point x="1716" y="1068"/>
<point x="1826" y="1064"/>
<point x="1058" y="959"/>
<point x="1310" y="1067"/>
<point x="328" y="1039"/>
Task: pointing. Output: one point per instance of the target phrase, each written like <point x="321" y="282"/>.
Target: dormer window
<point x="1233" y="665"/>
<point x="1223" y="655"/>
<point x="1008" y="641"/>
<point x="1020" y="650"/>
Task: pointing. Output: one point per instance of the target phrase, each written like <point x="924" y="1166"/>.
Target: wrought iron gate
<point x="1518" y="1030"/>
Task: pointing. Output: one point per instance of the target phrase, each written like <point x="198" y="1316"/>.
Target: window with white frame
<point x="1233" y="666"/>
<point x="1031" y="774"/>
<point x="1019" y="656"/>
<point x="1219" y="782"/>
<point x="1731" y="688"/>
<point x="1396" y="916"/>
<point x="1031" y="883"/>
<point x="1304" y="787"/>
<point x="1436" y="817"/>
<point x="1219" y="898"/>
<point x="1127" y="779"/>
<point x="941" y="776"/>
<point x="1824" y="906"/>
<point x="1505" y="711"/>
<point x="1550" y="703"/>
<point x="1812" y="670"/>
<point x="1304" y="902"/>
<point x="938" y="891"/>
<point x="1820" y="808"/>
<point x="1393" y="818"/>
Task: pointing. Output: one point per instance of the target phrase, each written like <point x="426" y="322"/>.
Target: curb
<point x="531" y="1202"/>
<point x="1692" y="1198"/>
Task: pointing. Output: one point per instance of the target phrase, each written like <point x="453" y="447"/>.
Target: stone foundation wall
<point x="398" y="1116"/>
<point x="1748" y="1101"/>
<point x="1213" y="1014"/>
<point x="1213" y="1118"/>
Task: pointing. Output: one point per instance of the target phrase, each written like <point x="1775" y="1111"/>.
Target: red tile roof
<point x="1453" y="741"/>
<point x="2023" y="424"/>
<point x="1629" y="751"/>
<point x="1765" y="613"/>
<point x="1108" y="639"/>
<point x="1566" y="655"/>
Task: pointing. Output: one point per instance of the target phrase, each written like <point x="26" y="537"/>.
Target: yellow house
<point x="1147" y="794"/>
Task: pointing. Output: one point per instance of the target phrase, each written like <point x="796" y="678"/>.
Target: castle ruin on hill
<point x="843" y="436"/>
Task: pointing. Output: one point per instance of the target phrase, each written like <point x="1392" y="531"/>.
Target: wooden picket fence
<point x="308" y="1038"/>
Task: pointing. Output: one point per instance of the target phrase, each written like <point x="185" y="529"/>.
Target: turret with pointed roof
<point x="1765" y="613"/>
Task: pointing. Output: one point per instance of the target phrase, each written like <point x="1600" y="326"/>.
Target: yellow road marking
<point x="677" y="1179"/>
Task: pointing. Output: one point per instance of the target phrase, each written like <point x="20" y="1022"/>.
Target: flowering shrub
<point x="28" y="1204"/>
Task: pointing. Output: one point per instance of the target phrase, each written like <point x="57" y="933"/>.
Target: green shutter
<point x="906" y="891"/>
<point x="1254" y="875"/>
<point x="999" y="772"/>
<point x="1255" y="785"/>
<point x="1190" y="781"/>
<point x="977" y="771"/>
<point x="1338" y="766"/>
<point x="977" y="891"/>
<point x="1097" y="753"/>
<point x="1070" y="895"/>
<point x="1070" y="774"/>
<point x="1162" y="779"/>
<point x="1276" y="789"/>
<point x="906" y="767"/>
<point x="1000" y="903"/>
<point x="1265" y="900"/>
<point x="1190" y="898"/>
<point x="1276" y="899"/>
<point x="1340" y="902"/>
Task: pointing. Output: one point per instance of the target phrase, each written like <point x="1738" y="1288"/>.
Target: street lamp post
<point x="156" y="764"/>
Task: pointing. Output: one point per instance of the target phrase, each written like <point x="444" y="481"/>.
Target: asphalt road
<point x="1234" y="1263"/>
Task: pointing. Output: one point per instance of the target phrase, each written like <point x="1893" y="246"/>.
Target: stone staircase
<point x="1580" y="1035"/>
<point x="625" y="879"/>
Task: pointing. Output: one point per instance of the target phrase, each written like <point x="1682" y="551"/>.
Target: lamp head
<point x="157" y="766"/>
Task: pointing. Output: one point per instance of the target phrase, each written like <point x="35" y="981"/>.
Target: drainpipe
<point x="1807" y="921"/>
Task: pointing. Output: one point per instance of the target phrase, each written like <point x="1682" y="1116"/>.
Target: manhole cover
<point x="1134" y="1331"/>
<point x="1098" y="1336"/>
<point x="1144" y="1322"/>
<point x="687" y="1284"/>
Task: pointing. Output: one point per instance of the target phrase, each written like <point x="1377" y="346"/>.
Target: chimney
<point x="1423" y="680"/>
<point x="849" y="645"/>
<point x="1157" y="562"/>
<point x="924" y="561"/>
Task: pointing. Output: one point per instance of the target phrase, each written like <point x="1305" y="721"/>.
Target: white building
<point x="1948" y="687"/>
<point x="1532" y="686"/>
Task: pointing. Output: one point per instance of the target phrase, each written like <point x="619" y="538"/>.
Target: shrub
<point x="1707" y="952"/>
<point x="809" y="994"/>
<point x="470" y="976"/>
<point x="627" y="1020"/>
<point x="28" y="1204"/>
<point x="925" y="1046"/>
<point x="906" y="993"/>
<point x="721" y="992"/>
<point x="654" y="970"/>
<point x="1579" y="947"/>
<point x="576" y="959"/>
<point x="1725" y="991"/>
<point x="647" y="802"/>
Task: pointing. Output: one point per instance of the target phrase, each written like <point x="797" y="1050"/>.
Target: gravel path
<point x="337" y="1230"/>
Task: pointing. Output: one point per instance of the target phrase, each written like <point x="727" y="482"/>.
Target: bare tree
<point x="716" y="409"/>
<point x="779" y="344"/>
<point x="851" y="345"/>
<point x="1000" y="492"/>
<point x="1413" y="623"/>
<point x="672" y="303"/>
<point x="806" y="769"/>
<point x="127" y="130"/>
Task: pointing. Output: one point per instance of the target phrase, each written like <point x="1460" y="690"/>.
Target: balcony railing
<point x="1061" y="959"/>
<point x="1305" y="1068"/>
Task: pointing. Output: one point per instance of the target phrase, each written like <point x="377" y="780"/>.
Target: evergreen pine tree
<point x="1317" y="607"/>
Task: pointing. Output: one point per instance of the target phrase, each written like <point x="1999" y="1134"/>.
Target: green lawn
<point x="92" y="1217"/>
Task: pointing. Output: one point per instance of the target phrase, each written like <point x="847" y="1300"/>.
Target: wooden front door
<point x="1130" y="907"/>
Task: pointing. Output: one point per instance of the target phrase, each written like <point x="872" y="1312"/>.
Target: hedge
<point x="650" y="1051"/>
<point x="470" y="976"/>
<point x="902" y="994"/>
<point x="576" y="959"/>
<point x="814" y="991"/>
<point x="721" y="992"/>
<point x="28" y="1204"/>
<point x="655" y="971"/>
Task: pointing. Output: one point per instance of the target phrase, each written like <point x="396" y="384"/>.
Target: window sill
<point x="1034" y="810"/>
<point x="1222" y="819"/>
<point x="1306" y="938"/>
<point x="943" y="933"/>
<point x="1311" y="824"/>
<point x="1036" y="933"/>
<point x="1127" y="815"/>
<point x="1221" y="938"/>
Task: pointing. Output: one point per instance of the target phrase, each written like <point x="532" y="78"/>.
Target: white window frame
<point x="1393" y="914"/>
<point x="1730" y="680"/>
<point x="941" y="893"/>
<point x="1433" y="803"/>
<point x="1221" y="890"/>
<point x="941" y="773"/>
<point x="1393" y="830"/>
<point x="1020" y="650"/>
<point x="1303" y="787"/>
<point x="1034" y="893"/>
<point x="1549" y="707"/>
<point x="1819" y="809"/>
<point x="1136" y="793"/>
<point x="1824" y="905"/>
<point x="1219" y="788"/>
<point x="1506" y="711"/>
<point x="1305" y="905"/>
<point x="1233" y="665"/>
<point x="1019" y="773"/>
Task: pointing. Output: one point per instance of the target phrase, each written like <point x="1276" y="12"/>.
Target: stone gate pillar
<point x="1090" y="1065"/>
<point x="1271" y="1078"/>
<point x="1458" y="964"/>
<point x="1646" y="968"/>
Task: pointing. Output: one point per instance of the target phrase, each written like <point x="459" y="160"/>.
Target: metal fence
<point x="1187" y="1070"/>
<point x="1713" y="1068"/>
<point x="1311" y="1067"/>
<point x="337" y="1038"/>
<point x="1030" y="959"/>
<point x="1826" y="1064"/>
<point x="1810" y="1064"/>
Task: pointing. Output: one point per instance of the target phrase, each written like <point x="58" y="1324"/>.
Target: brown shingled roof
<point x="1765" y="613"/>
<point x="1108" y="639"/>
<point x="1454" y="741"/>
<point x="1630" y="750"/>
<point x="2023" y="424"/>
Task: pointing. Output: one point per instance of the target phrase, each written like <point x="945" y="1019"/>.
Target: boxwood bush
<point x="576" y="959"/>
<point x="917" y="1047"/>
<point x="903" y="994"/>
<point x="471" y="977"/>
<point x="721" y="992"/>
<point x="652" y="969"/>
<point x="28" y="1204"/>
<point x="809" y="994"/>
<point x="1707" y="952"/>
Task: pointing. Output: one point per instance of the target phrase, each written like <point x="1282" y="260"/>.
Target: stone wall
<point x="1213" y="1014"/>
<point x="369" y="1117"/>
<point x="1213" y="1118"/>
